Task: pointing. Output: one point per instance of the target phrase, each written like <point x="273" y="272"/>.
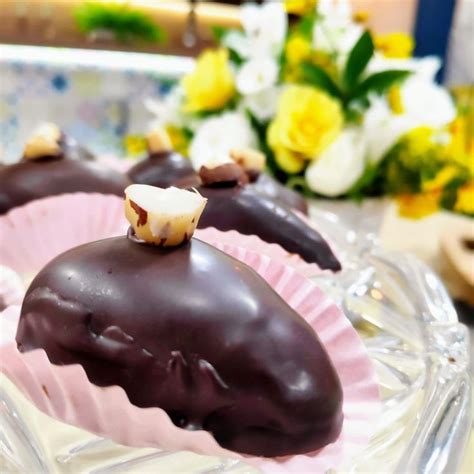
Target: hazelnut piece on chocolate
<point x="43" y="142"/>
<point x="250" y="160"/>
<point x="158" y="140"/>
<point x="229" y="174"/>
<point x="164" y="217"/>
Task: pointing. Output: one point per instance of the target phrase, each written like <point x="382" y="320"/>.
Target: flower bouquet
<point x="339" y="111"/>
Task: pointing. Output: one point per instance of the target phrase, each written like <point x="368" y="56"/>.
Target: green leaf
<point x="366" y="185"/>
<point x="379" y="83"/>
<point x="219" y="32"/>
<point x="305" y="26"/>
<point x="450" y="192"/>
<point x="318" y="77"/>
<point x="358" y="59"/>
<point x="235" y="57"/>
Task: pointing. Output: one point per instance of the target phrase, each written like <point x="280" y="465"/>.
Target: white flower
<point x="424" y="103"/>
<point x="256" y="75"/>
<point x="427" y="103"/>
<point x="167" y="109"/>
<point x="335" y="31"/>
<point x="216" y="136"/>
<point x="339" y="166"/>
<point x="264" y="30"/>
<point x="262" y="105"/>
<point x="382" y="129"/>
<point x="265" y="26"/>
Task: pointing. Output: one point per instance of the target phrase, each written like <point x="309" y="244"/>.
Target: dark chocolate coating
<point x="244" y="209"/>
<point x="162" y="169"/>
<point x="193" y="331"/>
<point x="34" y="179"/>
<point x="269" y="186"/>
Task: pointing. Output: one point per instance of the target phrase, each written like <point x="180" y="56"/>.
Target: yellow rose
<point x="307" y="121"/>
<point x="211" y="85"/>
<point x="300" y="7"/>
<point x="395" y="45"/>
<point x="297" y="50"/>
<point x="288" y="161"/>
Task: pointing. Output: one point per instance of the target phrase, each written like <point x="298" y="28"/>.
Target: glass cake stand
<point x="410" y="328"/>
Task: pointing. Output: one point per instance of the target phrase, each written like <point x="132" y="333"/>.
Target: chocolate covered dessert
<point x="182" y="326"/>
<point x="254" y="162"/>
<point x="234" y="205"/>
<point x="54" y="164"/>
<point x="163" y="167"/>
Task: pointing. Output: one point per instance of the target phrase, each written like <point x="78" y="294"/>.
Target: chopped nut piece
<point x="164" y="217"/>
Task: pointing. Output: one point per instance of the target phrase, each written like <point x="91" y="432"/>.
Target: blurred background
<point x="63" y="60"/>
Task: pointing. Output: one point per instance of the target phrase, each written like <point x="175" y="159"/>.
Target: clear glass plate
<point x="410" y="328"/>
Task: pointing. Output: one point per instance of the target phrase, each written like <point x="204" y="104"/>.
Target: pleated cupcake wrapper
<point x="220" y="239"/>
<point x="64" y="392"/>
<point x="33" y="234"/>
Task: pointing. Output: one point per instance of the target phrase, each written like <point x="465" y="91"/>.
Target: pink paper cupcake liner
<point x="221" y="239"/>
<point x="65" y="392"/>
<point x="33" y="234"/>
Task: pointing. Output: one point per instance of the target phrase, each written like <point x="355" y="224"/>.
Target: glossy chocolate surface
<point x="193" y="331"/>
<point x="34" y="179"/>
<point x="162" y="169"/>
<point x="249" y="212"/>
<point x="269" y="186"/>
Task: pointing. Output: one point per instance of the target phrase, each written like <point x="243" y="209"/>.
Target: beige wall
<point x="389" y="15"/>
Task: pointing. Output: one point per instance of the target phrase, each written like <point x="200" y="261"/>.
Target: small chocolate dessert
<point x="163" y="167"/>
<point x="54" y="164"/>
<point x="235" y="205"/>
<point x="184" y="327"/>
<point x="254" y="162"/>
